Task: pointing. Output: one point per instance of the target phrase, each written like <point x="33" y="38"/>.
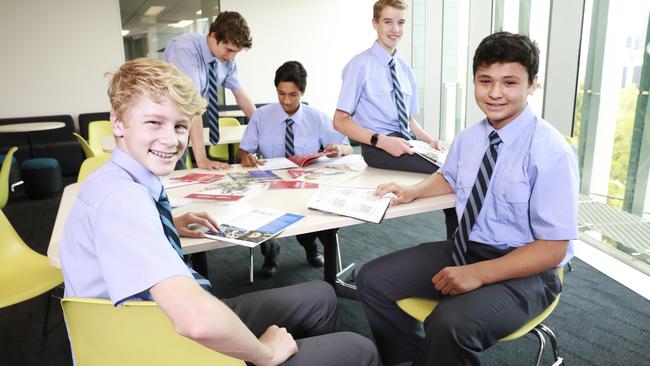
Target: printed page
<point x="359" y="203"/>
<point x="276" y="163"/>
<point x="425" y="150"/>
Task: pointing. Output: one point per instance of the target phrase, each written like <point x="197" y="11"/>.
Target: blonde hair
<point x="381" y="4"/>
<point x="154" y="79"/>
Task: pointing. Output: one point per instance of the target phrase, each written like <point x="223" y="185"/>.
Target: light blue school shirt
<point x="113" y="244"/>
<point x="533" y="193"/>
<point x="311" y="130"/>
<point x="367" y="90"/>
<point x="190" y="53"/>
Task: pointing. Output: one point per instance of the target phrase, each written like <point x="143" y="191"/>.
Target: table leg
<point x="200" y="263"/>
<point x="231" y="153"/>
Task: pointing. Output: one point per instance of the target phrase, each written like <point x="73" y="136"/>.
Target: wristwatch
<point x="373" y="139"/>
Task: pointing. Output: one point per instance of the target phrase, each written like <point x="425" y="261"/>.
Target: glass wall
<point x="611" y="128"/>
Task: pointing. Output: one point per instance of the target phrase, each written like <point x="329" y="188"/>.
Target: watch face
<point x="373" y="139"/>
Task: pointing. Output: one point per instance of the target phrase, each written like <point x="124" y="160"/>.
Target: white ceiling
<point x="134" y="20"/>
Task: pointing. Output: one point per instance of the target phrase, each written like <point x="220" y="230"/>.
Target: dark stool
<point x="42" y="177"/>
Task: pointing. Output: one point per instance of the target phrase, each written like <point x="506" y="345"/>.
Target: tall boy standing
<point x="120" y="241"/>
<point x="516" y="185"/>
<point x="209" y="62"/>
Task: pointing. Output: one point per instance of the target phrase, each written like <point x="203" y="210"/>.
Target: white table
<point x="30" y="127"/>
<point x="289" y="200"/>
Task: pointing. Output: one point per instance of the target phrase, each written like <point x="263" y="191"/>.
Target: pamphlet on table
<point x="358" y="203"/>
<point x="229" y="190"/>
<point x="254" y="175"/>
<point x="254" y="226"/>
<point x="428" y="153"/>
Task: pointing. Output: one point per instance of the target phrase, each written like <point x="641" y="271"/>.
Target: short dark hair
<point x="503" y="47"/>
<point x="292" y="71"/>
<point x="231" y="27"/>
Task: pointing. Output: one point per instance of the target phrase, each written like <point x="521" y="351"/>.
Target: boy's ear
<point x="533" y="86"/>
<point x="117" y="125"/>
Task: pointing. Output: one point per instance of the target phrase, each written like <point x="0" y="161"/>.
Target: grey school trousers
<point x="461" y="326"/>
<point x="308" y="311"/>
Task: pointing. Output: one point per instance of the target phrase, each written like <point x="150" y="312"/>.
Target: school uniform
<point x="532" y="194"/>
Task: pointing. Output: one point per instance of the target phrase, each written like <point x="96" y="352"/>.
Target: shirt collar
<point x="296" y="117"/>
<point x="206" y="53"/>
<point x="514" y="129"/>
<point x="138" y="172"/>
<point x="381" y="53"/>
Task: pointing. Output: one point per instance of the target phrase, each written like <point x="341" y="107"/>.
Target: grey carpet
<point x="598" y="321"/>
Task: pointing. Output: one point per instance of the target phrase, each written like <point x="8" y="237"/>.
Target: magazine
<point x="302" y="160"/>
<point x="291" y="184"/>
<point x="254" y="226"/>
<point x="199" y="177"/>
<point x="358" y="203"/>
<point x="228" y="191"/>
<point x="428" y="153"/>
<point x="254" y="175"/>
<point x="275" y="163"/>
<point x="335" y="175"/>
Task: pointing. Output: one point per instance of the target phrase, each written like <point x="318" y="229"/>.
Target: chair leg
<point x="540" y="337"/>
<point x="558" y="360"/>
<point x="570" y="266"/>
<point x="250" y="267"/>
<point x="50" y="294"/>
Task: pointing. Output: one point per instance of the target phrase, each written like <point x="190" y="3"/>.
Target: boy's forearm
<point x="433" y="185"/>
<point x="350" y="128"/>
<point x="196" y="138"/>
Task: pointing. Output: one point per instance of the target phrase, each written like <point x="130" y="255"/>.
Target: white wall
<point x="322" y="35"/>
<point x="55" y="55"/>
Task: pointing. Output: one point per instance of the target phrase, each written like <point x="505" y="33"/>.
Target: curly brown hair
<point x="231" y="27"/>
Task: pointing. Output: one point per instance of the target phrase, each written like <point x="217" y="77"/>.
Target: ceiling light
<point x="198" y="12"/>
<point x="154" y="10"/>
<point x="181" y="24"/>
<point x="125" y="32"/>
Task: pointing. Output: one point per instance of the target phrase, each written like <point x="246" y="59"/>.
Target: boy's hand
<point x="182" y="223"/>
<point x="332" y="151"/>
<point x="436" y="144"/>
<point x="212" y="165"/>
<point x="456" y="280"/>
<point x="403" y="194"/>
<point x="396" y="146"/>
<point x="280" y="343"/>
<point x="249" y="161"/>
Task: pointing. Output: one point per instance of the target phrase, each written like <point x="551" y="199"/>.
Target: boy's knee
<point x="454" y="327"/>
<point x="359" y="349"/>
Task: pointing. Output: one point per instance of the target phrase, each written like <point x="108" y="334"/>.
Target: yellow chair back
<point x="420" y="309"/>
<point x="90" y="165"/>
<point x="84" y="145"/>
<point x="221" y="151"/>
<point x="4" y="177"/>
<point x="24" y="274"/>
<point x="135" y="333"/>
<point x="96" y="130"/>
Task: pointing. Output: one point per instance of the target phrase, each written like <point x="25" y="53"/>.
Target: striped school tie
<point x="288" y="138"/>
<point x="213" y="112"/>
<point x="165" y="212"/>
<point x="399" y="101"/>
<point x="475" y="201"/>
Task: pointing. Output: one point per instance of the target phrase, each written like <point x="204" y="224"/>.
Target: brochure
<point x="199" y="178"/>
<point x="303" y="160"/>
<point x="254" y="227"/>
<point x="275" y="163"/>
<point x="228" y="191"/>
<point x="254" y="175"/>
<point x="292" y="184"/>
<point x="335" y="175"/>
<point x="358" y="203"/>
<point x="428" y="153"/>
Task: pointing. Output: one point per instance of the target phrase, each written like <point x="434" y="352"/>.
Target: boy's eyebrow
<point x="153" y="115"/>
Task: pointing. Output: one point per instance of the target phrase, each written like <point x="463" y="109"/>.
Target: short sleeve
<point x="250" y="140"/>
<point x="184" y="57"/>
<point x="449" y="169"/>
<point x="554" y="197"/>
<point x="232" y="78"/>
<point x="131" y="248"/>
<point x="351" y="87"/>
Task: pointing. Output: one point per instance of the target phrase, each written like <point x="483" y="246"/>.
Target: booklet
<point x="254" y="226"/>
<point x="335" y="175"/>
<point x="199" y="177"/>
<point x="428" y="153"/>
<point x="303" y="160"/>
<point x="292" y="184"/>
<point x="228" y="191"/>
<point x="254" y="175"/>
<point x="276" y="163"/>
<point x="358" y="203"/>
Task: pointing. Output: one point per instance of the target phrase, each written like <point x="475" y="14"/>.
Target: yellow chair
<point x="135" y="333"/>
<point x="84" y="145"/>
<point x="221" y="151"/>
<point x="96" y="130"/>
<point x="4" y="177"/>
<point x="24" y="274"/>
<point x="420" y="309"/>
<point x="90" y="165"/>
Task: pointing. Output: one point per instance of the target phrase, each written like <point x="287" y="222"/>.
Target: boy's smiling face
<point x="501" y="91"/>
<point x="154" y="134"/>
<point x="389" y="27"/>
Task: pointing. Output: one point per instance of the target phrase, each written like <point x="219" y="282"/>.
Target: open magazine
<point x="428" y="153"/>
<point x="249" y="227"/>
<point x="358" y="203"/>
<point x="303" y="160"/>
<point x="228" y="190"/>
